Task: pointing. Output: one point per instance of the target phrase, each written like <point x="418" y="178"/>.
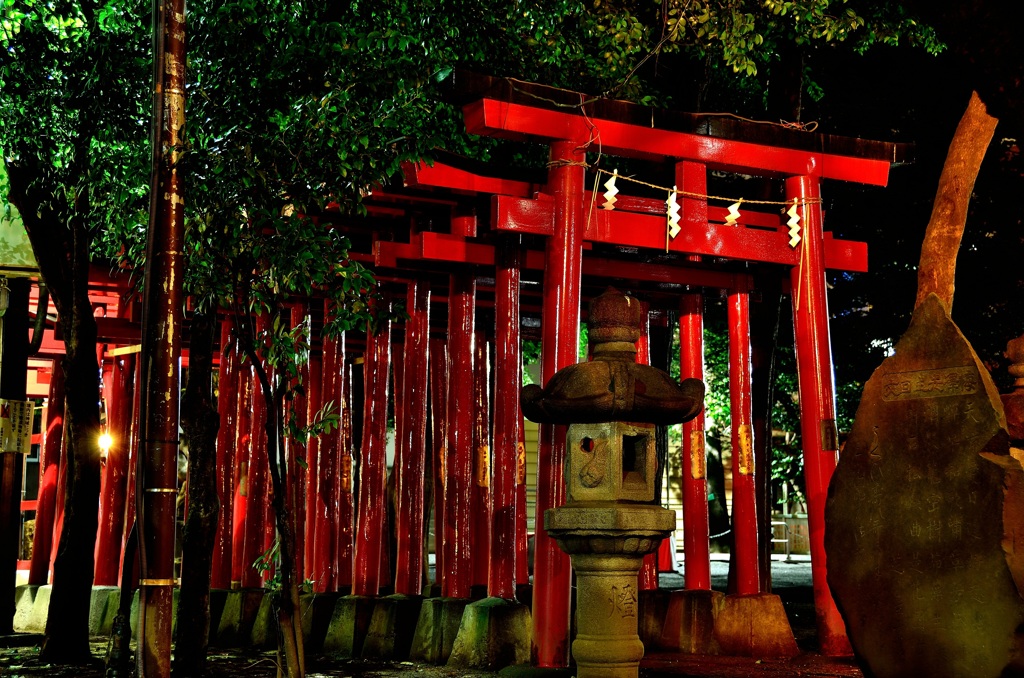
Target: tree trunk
<point x="61" y="247"/>
<point x="937" y="270"/>
<point x="200" y="422"/>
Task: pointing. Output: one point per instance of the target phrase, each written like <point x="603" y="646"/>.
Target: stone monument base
<point x="689" y="623"/>
<point x="436" y="629"/>
<point x="494" y="633"/>
<point x="754" y="626"/>
<point x="392" y="627"/>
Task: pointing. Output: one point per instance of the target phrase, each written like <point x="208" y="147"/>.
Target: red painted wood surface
<point x="458" y="536"/>
<point x="346" y="500"/>
<point x="559" y="348"/>
<point x="697" y="563"/>
<point x="325" y="548"/>
<point x="299" y="409"/>
<point x="133" y="463"/>
<point x="817" y="401"/>
<point x="744" y="499"/>
<point x="766" y="239"/>
<point x="314" y="402"/>
<point x="227" y="409"/>
<point x="120" y="414"/>
<point x="481" y="489"/>
<point x="438" y="358"/>
<point x="508" y="423"/>
<point x="257" y="497"/>
<point x="370" y="535"/>
<point x="648" y="575"/>
<point x="49" y="468"/>
<point x="243" y="443"/>
<point x="490" y="117"/>
<point x="412" y="446"/>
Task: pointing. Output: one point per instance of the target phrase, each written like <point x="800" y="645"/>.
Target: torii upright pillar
<point x="817" y="399"/>
<point x="560" y="319"/>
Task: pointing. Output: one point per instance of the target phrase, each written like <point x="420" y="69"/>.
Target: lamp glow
<point x="105" y="442"/>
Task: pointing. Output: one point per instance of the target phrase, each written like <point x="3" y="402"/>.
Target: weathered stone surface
<point x="689" y="624"/>
<point x="436" y="629"/>
<point x="612" y="386"/>
<point x="349" y="625"/>
<point x="392" y="627"/>
<point x="755" y="626"/>
<point x="494" y="633"/>
<point x="916" y="515"/>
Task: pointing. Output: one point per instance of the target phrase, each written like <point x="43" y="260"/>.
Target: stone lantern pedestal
<point x="607" y="545"/>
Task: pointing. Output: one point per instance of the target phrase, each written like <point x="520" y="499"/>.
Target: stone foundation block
<point x="494" y="633"/>
<point x="264" y="626"/>
<point x="238" y="617"/>
<point x="316" y="610"/>
<point x="755" y="626"/>
<point x="30" y="606"/>
<point x="689" y="623"/>
<point x="349" y="625"/>
<point x="103" y="609"/>
<point x="652" y="606"/>
<point x="436" y="629"/>
<point x="392" y="627"/>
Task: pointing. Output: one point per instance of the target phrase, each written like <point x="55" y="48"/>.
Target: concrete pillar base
<point x="264" y="627"/>
<point x="392" y="627"/>
<point x="755" y="626"/>
<point x="494" y="633"/>
<point x="234" y="629"/>
<point x="30" y="606"/>
<point x="436" y="629"/>
<point x="689" y="623"/>
<point x="317" y="610"/>
<point x="349" y="625"/>
<point x="652" y="606"/>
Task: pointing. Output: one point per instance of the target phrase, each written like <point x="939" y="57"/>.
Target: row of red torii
<point x="481" y="530"/>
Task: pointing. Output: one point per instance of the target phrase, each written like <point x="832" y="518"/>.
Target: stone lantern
<point x="609" y="522"/>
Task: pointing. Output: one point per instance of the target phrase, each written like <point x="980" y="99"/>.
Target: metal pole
<point x="162" y="348"/>
<point x="817" y="399"/>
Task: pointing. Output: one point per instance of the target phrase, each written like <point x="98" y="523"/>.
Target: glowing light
<point x="105" y="442"/>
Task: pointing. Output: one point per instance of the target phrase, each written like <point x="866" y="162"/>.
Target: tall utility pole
<point x="161" y="344"/>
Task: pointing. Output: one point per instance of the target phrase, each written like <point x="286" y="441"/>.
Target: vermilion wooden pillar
<point x="227" y="410"/>
<point x="49" y="466"/>
<point x="744" y="499"/>
<point x="370" y="535"/>
<point x="296" y="471"/>
<point x="243" y="443"/>
<point x="439" y="439"/>
<point x="647" y="578"/>
<point x="412" y="446"/>
<point x="133" y="464"/>
<point x="314" y="402"/>
<point x="481" y="511"/>
<point x="697" y="563"/>
<point x="115" y="476"/>
<point x="817" y="398"/>
<point x="346" y="499"/>
<point x="459" y="462"/>
<point x="559" y="347"/>
<point x="508" y="422"/>
<point x="257" y="499"/>
<point x="325" y="544"/>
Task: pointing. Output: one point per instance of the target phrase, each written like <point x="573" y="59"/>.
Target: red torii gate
<point x="572" y="125"/>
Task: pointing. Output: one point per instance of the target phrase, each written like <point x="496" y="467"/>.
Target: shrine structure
<point x="504" y="254"/>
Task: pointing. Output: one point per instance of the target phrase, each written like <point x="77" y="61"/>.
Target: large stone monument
<point x="609" y="521"/>
<point x="925" y="515"/>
